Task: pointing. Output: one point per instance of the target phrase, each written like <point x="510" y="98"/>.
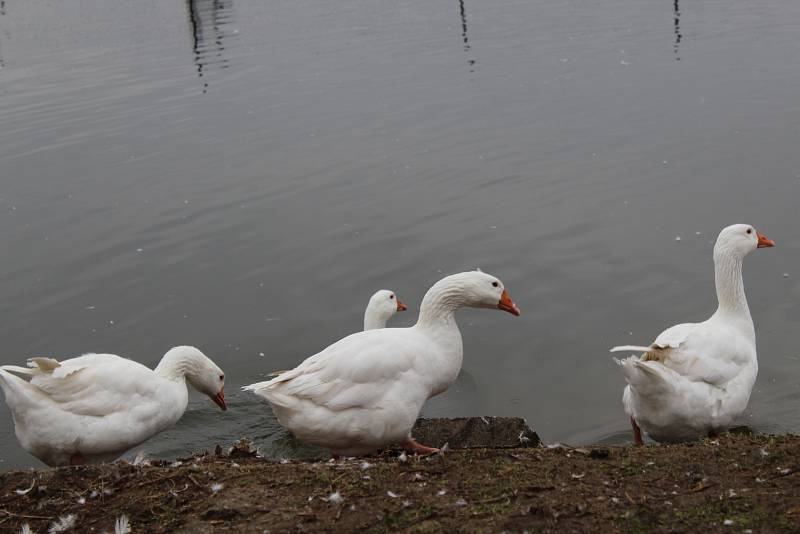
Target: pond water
<point x="242" y="175"/>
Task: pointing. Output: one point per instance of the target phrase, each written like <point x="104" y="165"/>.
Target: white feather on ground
<point x="64" y="523"/>
<point x="122" y="525"/>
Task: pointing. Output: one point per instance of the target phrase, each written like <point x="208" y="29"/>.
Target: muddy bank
<point x="732" y="484"/>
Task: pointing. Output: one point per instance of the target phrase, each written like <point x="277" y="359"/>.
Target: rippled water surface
<point x="241" y="175"/>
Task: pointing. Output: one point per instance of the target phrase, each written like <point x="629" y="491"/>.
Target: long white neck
<point x="730" y="287"/>
<point x="440" y="303"/>
<point x="374" y="320"/>
<point x="438" y="322"/>
<point x="176" y="364"/>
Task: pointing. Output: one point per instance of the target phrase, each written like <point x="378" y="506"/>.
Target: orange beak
<point x="506" y="304"/>
<point x="764" y="241"/>
<point x="401" y="306"/>
<point x="219" y="399"/>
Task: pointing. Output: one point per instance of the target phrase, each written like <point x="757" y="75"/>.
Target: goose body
<point x="95" y="407"/>
<point x="366" y="391"/>
<point x="695" y="379"/>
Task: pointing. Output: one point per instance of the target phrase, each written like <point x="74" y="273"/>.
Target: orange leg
<point x="637" y="433"/>
<point x="77" y="459"/>
<point x="412" y="446"/>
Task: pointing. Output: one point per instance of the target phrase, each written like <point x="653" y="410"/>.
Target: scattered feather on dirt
<point x="122" y="525"/>
<point x="25" y="491"/>
<point x="64" y="523"/>
<point x="335" y="498"/>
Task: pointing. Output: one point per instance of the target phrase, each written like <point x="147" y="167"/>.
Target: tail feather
<point x="648" y="369"/>
<point x="25" y="371"/>
<point x="17" y="390"/>
<point x="644" y="376"/>
<point x="274" y="390"/>
<point x="266" y="388"/>
<point x="271" y="395"/>
<point x="632" y="348"/>
<point x="257" y="387"/>
<point x="36" y="366"/>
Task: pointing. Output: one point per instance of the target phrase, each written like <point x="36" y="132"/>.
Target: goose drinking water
<point x="95" y="407"/>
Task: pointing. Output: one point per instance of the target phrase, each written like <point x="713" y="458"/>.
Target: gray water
<point x="241" y="175"/>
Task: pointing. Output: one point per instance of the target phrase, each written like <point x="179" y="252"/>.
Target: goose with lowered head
<point x="95" y="407"/>
<point x="381" y="307"/>
<point x="366" y="391"/>
<point x="695" y="379"/>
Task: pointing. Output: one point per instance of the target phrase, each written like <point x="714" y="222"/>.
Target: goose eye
<point x="391" y="296"/>
<point x="222" y="377"/>
<point x="749" y="230"/>
<point x="495" y="284"/>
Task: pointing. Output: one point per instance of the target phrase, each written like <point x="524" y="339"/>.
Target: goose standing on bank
<point x="95" y="407"/>
<point x="695" y="379"/>
<point x="382" y="305"/>
<point x="365" y="391"/>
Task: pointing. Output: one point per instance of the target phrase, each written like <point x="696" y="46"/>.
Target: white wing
<point x="674" y="336"/>
<point x="94" y="384"/>
<point x="699" y="353"/>
<point x="357" y="371"/>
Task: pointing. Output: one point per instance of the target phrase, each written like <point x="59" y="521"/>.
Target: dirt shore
<point x="731" y="484"/>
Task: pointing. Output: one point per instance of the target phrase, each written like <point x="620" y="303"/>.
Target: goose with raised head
<point x="695" y="379"/>
<point x="381" y="307"/>
<point x="366" y="391"/>
<point x="95" y="407"/>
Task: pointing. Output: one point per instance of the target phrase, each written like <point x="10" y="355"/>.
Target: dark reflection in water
<point x="464" y="36"/>
<point x="2" y="12"/>
<point x="207" y="19"/>
<point x="677" y="29"/>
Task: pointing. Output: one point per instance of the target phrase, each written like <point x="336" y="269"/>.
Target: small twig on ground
<point x="701" y="486"/>
<point x="196" y="483"/>
<point x="505" y="496"/>
<point x="12" y="514"/>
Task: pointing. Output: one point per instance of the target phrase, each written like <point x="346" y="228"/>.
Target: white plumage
<point x="95" y="407"/>
<point x="695" y="379"/>
<point x="366" y="390"/>
<point x="381" y="307"/>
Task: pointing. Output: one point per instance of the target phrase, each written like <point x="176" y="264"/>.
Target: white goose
<point x="94" y="407"/>
<point x="695" y="379"/>
<point x="382" y="305"/>
<point x="365" y="391"/>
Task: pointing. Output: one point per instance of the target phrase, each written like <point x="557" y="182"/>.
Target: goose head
<point x="740" y="240"/>
<point x="204" y="375"/>
<point x="382" y="305"/>
<point x="489" y="292"/>
<point x="474" y="289"/>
